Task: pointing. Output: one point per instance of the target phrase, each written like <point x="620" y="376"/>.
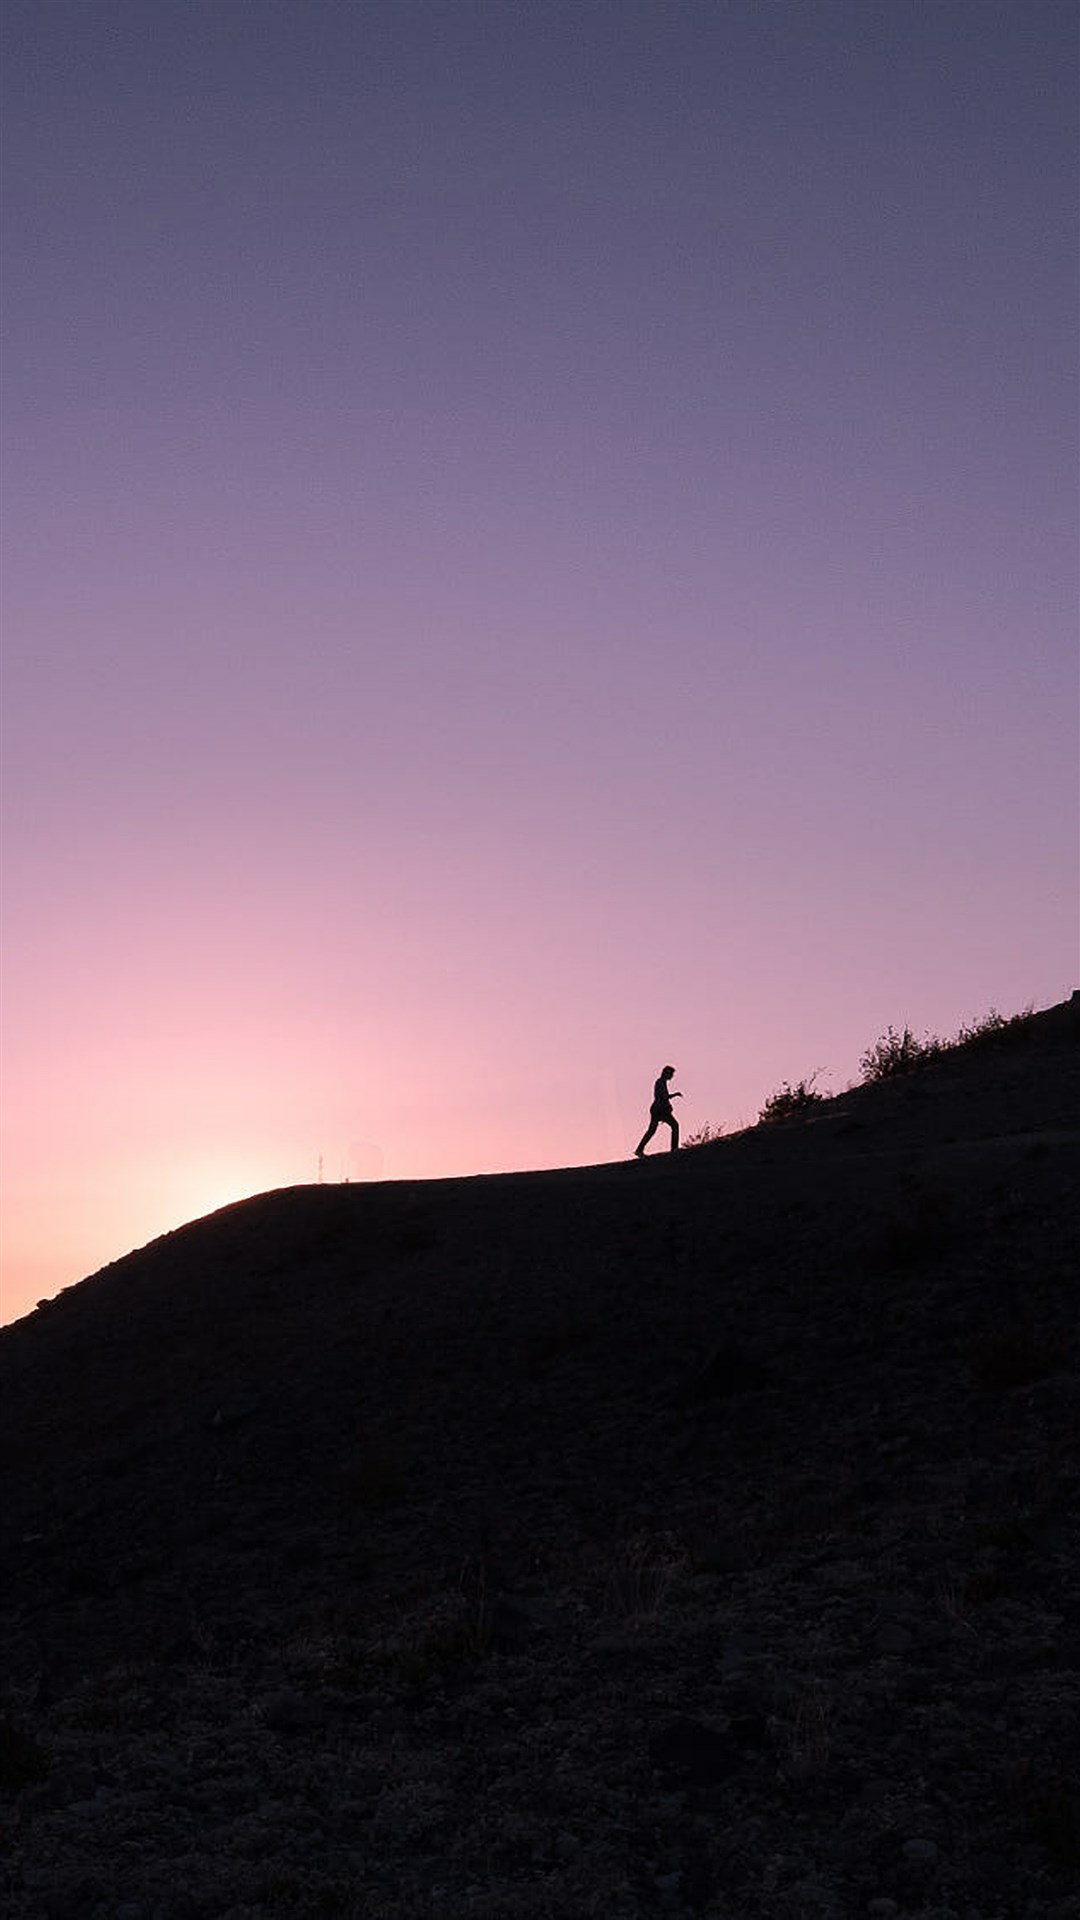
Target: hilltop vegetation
<point x="893" y="1054"/>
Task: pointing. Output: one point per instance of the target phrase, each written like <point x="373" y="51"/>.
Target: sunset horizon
<point x="211" y="1194"/>
<point x="538" y="542"/>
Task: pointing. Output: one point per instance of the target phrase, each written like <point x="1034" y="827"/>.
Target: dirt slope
<point x="694" y="1537"/>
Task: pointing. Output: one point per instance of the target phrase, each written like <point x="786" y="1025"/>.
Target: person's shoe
<point x="639" y="1153"/>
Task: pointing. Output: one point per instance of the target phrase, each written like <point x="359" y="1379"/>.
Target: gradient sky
<point x="540" y="540"/>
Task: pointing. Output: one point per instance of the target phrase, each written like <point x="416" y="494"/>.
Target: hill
<point x="694" y="1537"/>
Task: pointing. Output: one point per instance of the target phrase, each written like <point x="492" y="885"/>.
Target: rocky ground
<point x="694" y="1538"/>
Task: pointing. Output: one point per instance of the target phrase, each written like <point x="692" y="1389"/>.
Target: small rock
<point x="88" y="1809"/>
<point x="232" y="1413"/>
<point x="922" y="1853"/>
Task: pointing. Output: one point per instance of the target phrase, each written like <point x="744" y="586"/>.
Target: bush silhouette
<point x="897" y="1053"/>
<point x="788" y="1101"/>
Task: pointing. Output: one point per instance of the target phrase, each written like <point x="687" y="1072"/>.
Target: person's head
<point x="668" y="1073"/>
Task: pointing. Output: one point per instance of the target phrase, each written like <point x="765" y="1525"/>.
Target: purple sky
<point x="540" y="539"/>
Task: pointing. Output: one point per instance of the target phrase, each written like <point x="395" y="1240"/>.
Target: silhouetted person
<point x="660" y="1112"/>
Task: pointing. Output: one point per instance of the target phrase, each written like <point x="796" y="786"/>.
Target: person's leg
<point x="645" y="1138"/>
<point x="674" y="1125"/>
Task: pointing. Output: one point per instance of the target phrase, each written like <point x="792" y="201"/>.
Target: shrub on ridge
<point x="789" y="1101"/>
<point x="897" y="1053"/>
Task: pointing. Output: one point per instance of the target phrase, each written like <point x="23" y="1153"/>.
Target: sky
<point x="540" y="541"/>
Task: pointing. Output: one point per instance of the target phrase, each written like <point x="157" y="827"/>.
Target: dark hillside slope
<point x="693" y="1537"/>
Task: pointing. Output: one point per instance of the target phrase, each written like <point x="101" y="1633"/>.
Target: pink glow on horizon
<point x="533" y="549"/>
